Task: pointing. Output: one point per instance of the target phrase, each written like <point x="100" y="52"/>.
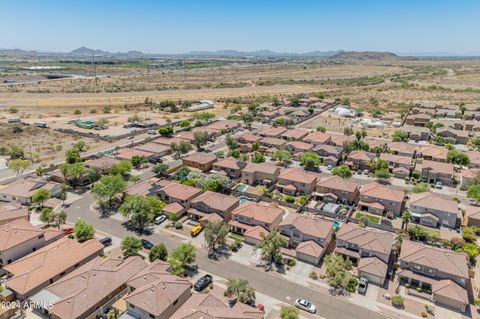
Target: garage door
<point x="449" y="302"/>
<point x="371" y="278"/>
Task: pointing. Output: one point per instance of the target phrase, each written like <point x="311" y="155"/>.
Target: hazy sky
<point x="288" y="26"/>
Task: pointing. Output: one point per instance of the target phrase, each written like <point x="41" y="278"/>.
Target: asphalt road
<point x="267" y="283"/>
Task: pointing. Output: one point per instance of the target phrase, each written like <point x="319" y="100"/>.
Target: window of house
<point x="417" y="267"/>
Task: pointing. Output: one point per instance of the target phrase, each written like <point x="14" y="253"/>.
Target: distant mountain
<point x="365" y="55"/>
<point x="261" y="53"/>
<point x="87" y="51"/>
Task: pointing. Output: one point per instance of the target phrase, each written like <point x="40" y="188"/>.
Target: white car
<point x="305" y="305"/>
<point x="160" y="219"/>
<point x="438" y="185"/>
<point x="329" y="167"/>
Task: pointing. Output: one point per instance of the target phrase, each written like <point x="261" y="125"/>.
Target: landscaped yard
<point x="371" y="218"/>
<point x="236" y="237"/>
<point x="257" y="190"/>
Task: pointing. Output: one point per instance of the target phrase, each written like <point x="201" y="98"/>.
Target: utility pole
<point x="94" y="68"/>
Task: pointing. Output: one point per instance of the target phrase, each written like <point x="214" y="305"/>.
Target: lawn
<point x="234" y="236"/>
<point x="257" y="190"/>
<point x="371" y="218"/>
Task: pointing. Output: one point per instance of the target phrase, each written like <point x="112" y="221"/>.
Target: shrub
<point x="424" y="314"/>
<point x="397" y="301"/>
<point x="477" y="302"/>
<point x="290" y="262"/>
<point x="77" y="112"/>
<point x="313" y="275"/>
<point x="407" y="285"/>
<point x="289" y="199"/>
<point x="178" y="225"/>
<point x="352" y="285"/>
<point x="419" y="289"/>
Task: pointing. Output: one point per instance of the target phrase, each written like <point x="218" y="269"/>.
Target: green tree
<point x="215" y="234"/>
<point x="458" y="158"/>
<point x="258" y="157"/>
<point x="420" y="188"/>
<point x="270" y="247"/>
<point x="181" y="173"/>
<point x="234" y="153"/>
<point x="41" y="196"/>
<point x="473" y="192"/>
<point x="63" y="193"/>
<point x="15" y="152"/>
<point x="358" y="144"/>
<point x="180" y="148"/>
<point x="108" y="187"/>
<point x="60" y="218"/>
<point x="160" y="169"/>
<point x="73" y="173"/>
<point x="379" y="165"/>
<point x="247" y="119"/>
<point x="462" y="107"/>
<point x="321" y="129"/>
<point x="289" y="312"/>
<point x="213" y="186"/>
<point x="93" y="174"/>
<point x="417" y="232"/>
<point x="180" y="257"/>
<point x="282" y="156"/>
<point x="220" y="154"/>
<point x="399" y="136"/>
<point x="200" y="139"/>
<point x="81" y="146"/>
<point x="469" y="234"/>
<point x="46" y="216"/>
<point x="73" y="156"/>
<point x="348" y="131"/>
<point x="19" y="165"/>
<point x="310" y="160"/>
<point x="255" y="146"/>
<point x="343" y="171"/>
<point x="338" y="271"/>
<point x="121" y="168"/>
<point x="130" y="246"/>
<point x="184" y="124"/>
<point x="240" y="290"/>
<point x="231" y="142"/>
<point x="382" y="173"/>
<point x="166" y="131"/>
<point x="138" y="210"/>
<point x="472" y="251"/>
<point x="136" y="161"/>
<point x="159" y="252"/>
<point x="406" y="218"/>
<point x="83" y="231"/>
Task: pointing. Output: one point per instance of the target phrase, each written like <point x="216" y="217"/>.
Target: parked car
<point x="362" y="285"/>
<point x="152" y="132"/>
<point x="366" y="172"/>
<point x="196" y="230"/>
<point x="147" y="244"/>
<point x="305" y="305"/>
<point x="203" y="282"/>
<point x="359" y="172"/>
<point x="260" y="307"/>
<point x="160" y="219"/>
<point x="438" y="185"/>
<point x="329" y="167"/>
<point x="68" y="230"/>
<point x="130" y="137"/>
<point x="107" y="241"/>
<point x="154" y="159"/>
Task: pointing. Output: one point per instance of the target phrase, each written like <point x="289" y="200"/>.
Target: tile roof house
<point x="23" y="189"/>
<point x="402" y="149"/>
<point x="86" y="290"/>
<point x="376" y="143"/>
<point x="156" y="149"/>
<point x="231" y="166"/>
<point x="334" y="188"/>
<point x="370" y="249"/>
<point x="167" y="140"/>
<point x="340" y="139"/>
<point x="12" y="211"/>
<point x="453" y="136"/>
<point x="37" y="270"/>
<point x="318" y="138"/>
<point x="472" y="216"/>
<point x="434" y="211"/>
<point x="442" y="271"/>
<point x="298" y="147"/>
<point x="272" y="131"/>
<point x="469" y="177"/>
<point x="418" y="119"/>
<point x="272" y="142"/>
<point x="250" y="214"/>
<point x="19" y="238"/>
<point x="247" y="137"/>
<point x="386" y="198"/>
<point x="433" y="153"/>
<point x="126" y="154"/>
<point x="359" y="159"/>
<point x="177" y="193"/>
<point x="299" y="228"/>
<point x="325" y="151"/>
<point x="103" y="164"/>
<point x="293" y="135"/>
<point x="145" y="188"/>
<point x="155" y="293"/>
<point x="224" y="126"/>
<point x="210" y="203"/>
<point x="294" y="181"/>
<point x="433" y="172"/>
<point x="254" y="235"/>
<point x="260" y="173"/>
<point x="417" y="133"/>
<point x="395" y="161"/>
<point x="201" y="161"/>
<point x="474" y="157"/>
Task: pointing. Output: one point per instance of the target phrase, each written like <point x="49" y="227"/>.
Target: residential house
<point x="369" y="249"/>
<point x="19" y="238"/>
<point x="317" y="138"/>
<point x="376" y="143"/>
<point x="23" y="189"/>
<point x="359" y="159"/>
<point x="147" y="187"/>
<point x="340" y="139"/>
<point x="419" y="119"/>
<point x="250" y="214"/>
<point x="433" y="153"/>
<point x="156" y="149"/>
<point x="260" y="173"/>
<point x="431" y="210"/>
<point x="167" y="141"/>
<point x="471" y="115"/>
<point x="212" y="203"/>
<point x="268" y="142"/>
<point x="126" y="154"/>
<point x="450" y="113"/>
<point x="177" y="193"/>
<point x="201" y="161"/>
<point x="12" y="211"/>
<point x="442" y="271"/>
<point x="154" y="293"/>
<point x="294" y="135"/>
<point x="377" y="199"/>
<point x="469" y="177"/>
<point x="230" y="166"/>
<point x="395" y="161"/>
<point x="402" y="149"/>
<point x="248" y="138"/>
<point x="254" y="235"/>
<point x="88" y="290"/>
<point x="308" y="235"/>
<point x="417" y="133"/>
<point x="433" y="172"/>
<point x="472" y="216"/>
<point x="474" y="157"/>
<point x="453" y="136"/>
<point x="35" y="271"/>
<point x="329" y="154"/>
<point x="293" y="181"/>
<point x="272" y="132"/>
<point x="102" y="164"/>
<point x="224" y="126"/>
<point x="175" y="208"/>
<point x="333" y="189"/>
<point x="297" y="147"/>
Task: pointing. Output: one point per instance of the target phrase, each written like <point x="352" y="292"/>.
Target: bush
<point x="290" y="262"/>
<point x="236" y="245"/>
<point x="178" y="225"/>
<point x="419" y="289"/>
<point x="397" y="301"/>
<point x="352" y="285"/>
<point x="407" y="285"/>
<point x="313" y="275"/>
<point x="289" y="199"/>
<point x="424" y="314"/>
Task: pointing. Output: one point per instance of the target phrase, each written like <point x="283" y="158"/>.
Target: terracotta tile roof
<point x="375" y="142"/>
<point x="179" y="191"/>
<point x="256" y="232"/>
<point x="272" y="131"/>
<point x="156" y="270"/>
<point x="38" y="267"/>
<point x="249" y="137"/>
<point x="316" y="227"/>
<point x="260" y="212"/>
<point x="301" y="145"/>
<point x="340" y="139"/>
<point x="224" y="124"/>
<point x="154" y="148"/>
<point x="128" y="153"/>
<point x="470" y="173"/>
<point x="12" y="210"/>
<point x="298" y="175"/>
<point x="366" y="238"/>
<point x="373" y="265"/>
<point x="84" y="287"/>
<point x="401" y="170"/>
<point x="318" y="138"/>
<point x="432" y="201"/>
<point x="26" y="187"/>
<point x="167" y="140"/>
<point x="211" y="218"/>
<point x="434" y="151"/>
<point x="272" y="141"/>
<point x="336" y="182"/>
<point x="173" y="208"/>
<point x="201" y="158"/>
<point x="361" y="156"/>
<point x="187" y="136"/>
<point x="402" y="147"/>
<point x="474" y="157"/>
<point x="398" y="159"/>
<point x="376" y="190"/>
<point x="329" y="149"/>
<point x="373" y="205"/>
<point x="309" y="248"/>
<point x="266" y="167"/>
<point x="472" y="212"/>
<point x="216" y="201"/>
<point x="102" y="163"/>
<point x="16" y="233"/>
<point x="230" y="162"/>
<point x="146" y="187"/>
<point x="445" y="260"/>
<point x="450" y="289"/>
<point x="436" y="167"/>
<point x="295" y="134"/>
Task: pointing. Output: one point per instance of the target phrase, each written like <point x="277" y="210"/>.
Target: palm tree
<point x="406" y="218"/>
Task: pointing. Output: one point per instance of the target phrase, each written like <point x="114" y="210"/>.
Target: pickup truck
<point x="203" y="282"/>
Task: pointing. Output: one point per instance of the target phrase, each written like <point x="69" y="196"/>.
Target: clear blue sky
<point x="287" y="26"/>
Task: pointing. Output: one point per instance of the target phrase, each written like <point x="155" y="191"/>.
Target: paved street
<point x="266" y="283"/>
